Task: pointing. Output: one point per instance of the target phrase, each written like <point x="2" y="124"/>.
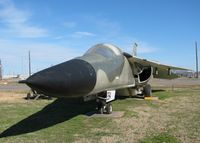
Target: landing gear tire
<point x="108" y="108"/>
<point x="100" y="106"/>
<point x="147" y="92"/>
<point x="104" y="108"/>
<point x="101" y="110"/>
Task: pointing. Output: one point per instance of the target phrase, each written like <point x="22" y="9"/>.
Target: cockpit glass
<point x="106" y="52"/>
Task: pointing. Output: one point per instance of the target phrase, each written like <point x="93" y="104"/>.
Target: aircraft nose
<point x="72" y="78"/>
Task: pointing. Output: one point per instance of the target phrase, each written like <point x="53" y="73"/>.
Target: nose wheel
<point x="104" y="102"/>
<point x="108" y="108"/>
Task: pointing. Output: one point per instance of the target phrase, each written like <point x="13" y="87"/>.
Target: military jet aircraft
<point x="103" y="71"/>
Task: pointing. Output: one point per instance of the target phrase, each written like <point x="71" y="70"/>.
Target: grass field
<point x="174" y="118"/>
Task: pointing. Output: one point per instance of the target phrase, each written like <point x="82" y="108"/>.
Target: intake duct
<point x="145" y="75"/>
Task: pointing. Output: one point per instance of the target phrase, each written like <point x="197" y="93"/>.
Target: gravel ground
<point x="12" y="86"/>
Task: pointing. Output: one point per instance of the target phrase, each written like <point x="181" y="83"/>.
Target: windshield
<point x="105" y="50"/>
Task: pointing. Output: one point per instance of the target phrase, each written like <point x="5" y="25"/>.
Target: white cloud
<point x="14" y="55"/>
<point x="127" y="44"/>
<point x="81" y="34"/>
<point x="105" y="26"/>
<point x="58" y="37"/>
<point x="144" y="48"/>
<point x="69" y="24"/>
<point x="17" y="21"/>
<point x="112" y="28"/>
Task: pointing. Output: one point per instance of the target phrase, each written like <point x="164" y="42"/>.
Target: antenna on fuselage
<point x="135" y="49"/>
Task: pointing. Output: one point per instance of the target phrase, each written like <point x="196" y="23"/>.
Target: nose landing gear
<point x="104" y="101"/>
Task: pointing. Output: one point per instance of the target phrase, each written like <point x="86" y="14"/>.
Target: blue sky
<point x="58" y="30"/>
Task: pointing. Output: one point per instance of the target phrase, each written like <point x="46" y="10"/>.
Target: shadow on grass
<point x="158" y="90"/>
<point x="57" y="112"/>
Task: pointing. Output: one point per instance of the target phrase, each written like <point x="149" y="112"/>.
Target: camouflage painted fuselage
<point x="103" y="67"/>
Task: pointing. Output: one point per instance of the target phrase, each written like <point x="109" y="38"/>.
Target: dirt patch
<point x="136" y="128"/>
<point x="11" y="97"/>
<point x="115" y="114"/>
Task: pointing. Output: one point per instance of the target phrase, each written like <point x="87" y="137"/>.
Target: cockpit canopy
<point x="106" y="50"/>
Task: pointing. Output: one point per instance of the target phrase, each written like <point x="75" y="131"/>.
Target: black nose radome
<point x="72" y="78"/>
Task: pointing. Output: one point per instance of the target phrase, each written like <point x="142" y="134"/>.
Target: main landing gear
<point x="104" y="100"/>
<point x="34" y="95"/>
<point x="147" y="91"/>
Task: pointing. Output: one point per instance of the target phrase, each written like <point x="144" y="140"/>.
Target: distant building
<point x="10" y="76"/>
<point x="184" y="73"/>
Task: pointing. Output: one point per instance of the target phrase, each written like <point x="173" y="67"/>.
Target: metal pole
<point x="197" y="70"/>
<point x="0" y="70"/>
<point x="29" y="61"/>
